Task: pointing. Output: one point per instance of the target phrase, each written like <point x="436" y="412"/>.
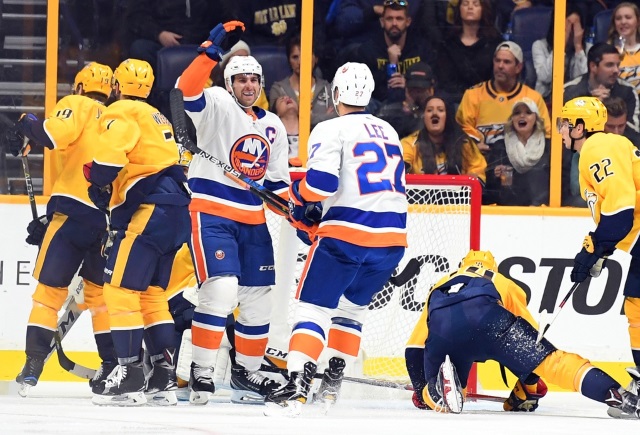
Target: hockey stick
<point x="382" y="383"/>
<point x="543" y="325"/>
<point x="67" y="320"/>
<point x="176" y="102"/>
<point x="27" y="176"/>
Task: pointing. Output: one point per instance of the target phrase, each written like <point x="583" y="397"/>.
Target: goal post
<point x="443" y="223"/>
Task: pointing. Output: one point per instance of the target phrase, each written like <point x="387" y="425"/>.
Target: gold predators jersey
<point x="484" y="110"/>
<point x="473" y="162"/>
<point x="136" y="140"/>
<point x="512" y="296"/>
<point x="610" y="183"/>
<point x="73" y="129"/>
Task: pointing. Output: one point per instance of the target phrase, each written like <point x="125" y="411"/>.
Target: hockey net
<point x="443" y="224"/>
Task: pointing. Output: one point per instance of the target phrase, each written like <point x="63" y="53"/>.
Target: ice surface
<point x="65" y="408"/>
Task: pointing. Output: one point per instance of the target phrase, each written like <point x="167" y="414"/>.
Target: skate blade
<point x="451" y="395"/>
<point x="289" y="408"/>
<point x="199" y="397"/>
<point x="128" y="399"/>
<point x="242" y="397"/>
<point x="23" y="389"/>
<point x="617" y="413"/>
<point x="162" y="398"/>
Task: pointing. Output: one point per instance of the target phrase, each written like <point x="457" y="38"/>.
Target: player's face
<point x="395" y="23"/>
<point x="246" y="88"/>
<point x="505" y="67"/>
<point x="470" y="10"/>
<point x="626" y="22"/>
<point x="524" y="120"/>
<point x="616" y="125"/>
<point x="607" y="71"/>
<point x="435" y="116"/>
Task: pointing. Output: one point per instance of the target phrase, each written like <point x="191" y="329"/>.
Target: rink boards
<point x="535" y="246"/>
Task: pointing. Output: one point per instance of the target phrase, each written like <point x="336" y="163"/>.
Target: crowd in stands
<point x="449" y="75"/>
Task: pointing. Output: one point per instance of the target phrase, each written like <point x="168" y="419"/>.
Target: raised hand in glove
<point x="221" y="39"/>
<point x="303" y="215"/>
<point x="525" y="397"/>
<point x="586" y="259"/>
<point x="14" y="136"/>
<point x="36" y="230"/>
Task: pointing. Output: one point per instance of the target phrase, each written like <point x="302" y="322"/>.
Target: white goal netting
<point x="443" y="224"/>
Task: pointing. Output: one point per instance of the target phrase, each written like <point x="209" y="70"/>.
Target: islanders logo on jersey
<point x="250" y="155"/>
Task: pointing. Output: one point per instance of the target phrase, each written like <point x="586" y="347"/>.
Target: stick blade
<point x="543" y="325"/>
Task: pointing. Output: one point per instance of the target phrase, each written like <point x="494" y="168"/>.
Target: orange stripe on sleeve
<point x="193" y="79"/>
<point x="307" y="194"/>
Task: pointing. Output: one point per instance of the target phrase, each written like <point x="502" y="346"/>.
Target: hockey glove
<point x="301" y="211"/>
<point x="100" y="196"/>
<point x="586" y="259"/>
<point x="525" y="397"/>
<point x="221" y="39"/>
<point x="36" y="230"/>
<point x="15" y="135"/>
<point x="107" y="242"/>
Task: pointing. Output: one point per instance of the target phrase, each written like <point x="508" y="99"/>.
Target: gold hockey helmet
<point x="589" y="109"/>
<point x="94" y="77"/>
<point x="135" y="78"/>
<point x="482" y="259"/>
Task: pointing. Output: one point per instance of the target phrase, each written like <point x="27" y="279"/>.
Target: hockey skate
<point x="623" y="404"/>
<point x="124" y="387"/>
<point x="634" y="385"/>
<point x="332" y="378"/>
<point x="449" y="388"/>
<point x="201" y="384"/>
<point x="250" y="387"/>
<point x="288" y="400"/>
<point x="161" y="381"/>
<point x="97" y="382"/>
<point x="29" y="375"/>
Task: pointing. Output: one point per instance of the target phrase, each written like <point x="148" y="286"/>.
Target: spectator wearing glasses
<point x="390" y="55"/>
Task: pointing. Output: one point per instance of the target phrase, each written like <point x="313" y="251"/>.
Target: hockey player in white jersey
<point x="231" y="245"/>
<point x="356" y="176"/>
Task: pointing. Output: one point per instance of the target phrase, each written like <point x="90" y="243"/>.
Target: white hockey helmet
<point x="354" y="83"/>
<point x="242" y="65"/>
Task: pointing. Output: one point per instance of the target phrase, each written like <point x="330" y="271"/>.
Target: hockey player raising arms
<point x="356" y="169"/>
<point x="610" y="183"/>
<point x="477" y="314"/>
<point x="70" y="233"/>
<point x="136" y="178"/>
<point x="231" y="245"/>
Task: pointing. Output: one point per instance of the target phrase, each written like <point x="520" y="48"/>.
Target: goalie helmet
<point x="135" y="78"/>
<point x="94" y="77"/>
<point x="242" y="65"/>
<point x="482" y="259"/>
<point x="589" y="109"/>
<point x="353" y="85"/>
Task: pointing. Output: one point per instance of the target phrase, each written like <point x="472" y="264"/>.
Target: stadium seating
<point x="601" y="22"/>
<point x="529" y="25"/>
<point x="172" y="61"/>
<point x="275" y="65"/>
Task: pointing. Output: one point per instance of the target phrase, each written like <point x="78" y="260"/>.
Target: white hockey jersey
<point x="257" y="148"/>
<point x="356" y="168"/>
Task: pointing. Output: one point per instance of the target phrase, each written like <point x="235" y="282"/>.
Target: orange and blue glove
<point x="221" y="39"/>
